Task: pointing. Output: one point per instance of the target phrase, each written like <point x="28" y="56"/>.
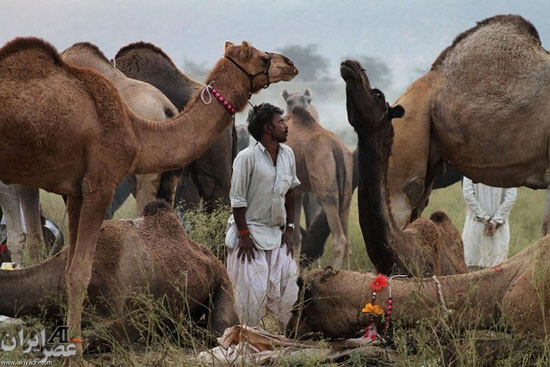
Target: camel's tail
<point x="341" y="174"/>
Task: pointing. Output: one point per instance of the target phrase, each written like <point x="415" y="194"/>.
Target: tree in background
<point x="312" y="65"/>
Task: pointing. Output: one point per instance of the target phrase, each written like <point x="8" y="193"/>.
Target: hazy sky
<point x="407" y="35"/>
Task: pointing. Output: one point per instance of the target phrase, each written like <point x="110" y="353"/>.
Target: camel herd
<point x="79" y="124"/>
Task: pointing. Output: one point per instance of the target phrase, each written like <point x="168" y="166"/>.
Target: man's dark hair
<point x="259" y="116"/>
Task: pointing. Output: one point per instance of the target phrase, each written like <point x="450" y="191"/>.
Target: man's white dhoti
<point x="269" y="281"/>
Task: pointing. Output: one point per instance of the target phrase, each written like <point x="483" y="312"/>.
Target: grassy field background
<point x="525" y="219"/>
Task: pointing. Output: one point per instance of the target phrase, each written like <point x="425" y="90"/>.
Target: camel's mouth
<point x="350" y="69"/>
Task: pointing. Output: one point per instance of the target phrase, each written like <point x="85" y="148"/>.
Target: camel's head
<point x="367" y="107"/>
<point x="299" y="99"/>
<point x="261" y="67"/>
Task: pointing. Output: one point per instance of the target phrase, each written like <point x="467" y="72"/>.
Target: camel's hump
<point x="500" y="28"/>
<point x="125" y="50"/>
<point x="30" y="43"/>
<point x="90" y="47"/>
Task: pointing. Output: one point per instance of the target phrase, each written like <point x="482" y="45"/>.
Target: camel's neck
<point x="467" y="295"/>
<point x="25" y="291"/>
<point x="474" y="294"/>
<point x="382" y="238"/>
<point x="175" y="143"/>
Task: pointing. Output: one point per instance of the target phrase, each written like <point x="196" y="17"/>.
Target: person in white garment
<point x="259" y="232"/>
<point x="486" y="233"/>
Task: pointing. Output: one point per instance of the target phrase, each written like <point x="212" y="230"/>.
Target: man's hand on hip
<point x="245" y="248"/>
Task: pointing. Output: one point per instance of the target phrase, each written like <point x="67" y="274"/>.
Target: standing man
<point x="486" y="233"/>
<point x="259" y="233"/>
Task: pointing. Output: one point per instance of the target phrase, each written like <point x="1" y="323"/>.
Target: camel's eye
<point x="266" y="60"/>
<point x="378" y="94"/>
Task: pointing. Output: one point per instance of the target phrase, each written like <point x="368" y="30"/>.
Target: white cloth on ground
<point x="260" y="186"/>
<point x="486" y="203"/>
<point x="268" y="281"/>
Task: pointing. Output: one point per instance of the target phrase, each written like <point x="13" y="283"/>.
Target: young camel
<point x="44" y="101"/>
<point x="324" y="167"/>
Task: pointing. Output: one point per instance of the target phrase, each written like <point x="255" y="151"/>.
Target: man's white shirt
<point x="260" y="186"/>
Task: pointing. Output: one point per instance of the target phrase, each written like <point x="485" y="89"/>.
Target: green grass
<point x="525" y="221"/>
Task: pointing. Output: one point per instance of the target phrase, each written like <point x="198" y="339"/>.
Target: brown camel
<point x="45" y="101"/>
<point x="426" y="246"/>
<point x="209" y="176"/>
<point x="481" y="108"/>
<point x="324" y="167"/>
<point x="151" y="254"/>
<point x="143" y="99"/>
<point x="516" y="292"/>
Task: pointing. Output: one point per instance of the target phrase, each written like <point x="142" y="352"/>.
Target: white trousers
<point x="269" y="281"/>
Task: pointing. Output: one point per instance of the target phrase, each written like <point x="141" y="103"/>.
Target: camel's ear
<point x="246" y="51"/>
<point x="284" y="94"/>
<point x="397" y="111"/>
<point x="228" y="44"/>
<point x="308" y="92"/>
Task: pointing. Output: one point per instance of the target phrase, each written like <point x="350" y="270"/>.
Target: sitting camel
<point x="209" y="176"/>
<point x="517" y="290"/>
<point x="44" y="100"/>
<point x="151" y="254"/>
<point x="426" y="246"/>
<point x="481" y="108"/>
<point x="324" y="167"/>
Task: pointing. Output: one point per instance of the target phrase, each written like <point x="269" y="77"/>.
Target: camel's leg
<point x="94" y="207"/>
<point x="74" y="206"/>
<point x="545" y="230"/>
<point x="296" y="235"/>
<point x="339" y="239"/>
<point x="167" y="186"/>
<point x="546" y="215"/>
<point x="35" y="244"/>
<point x="122" y="192"/>
<point x="344" y="219"/>
<point x="9" y="200"/>
<point x="311" y="208"/>
<point x="147" y="187"/>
